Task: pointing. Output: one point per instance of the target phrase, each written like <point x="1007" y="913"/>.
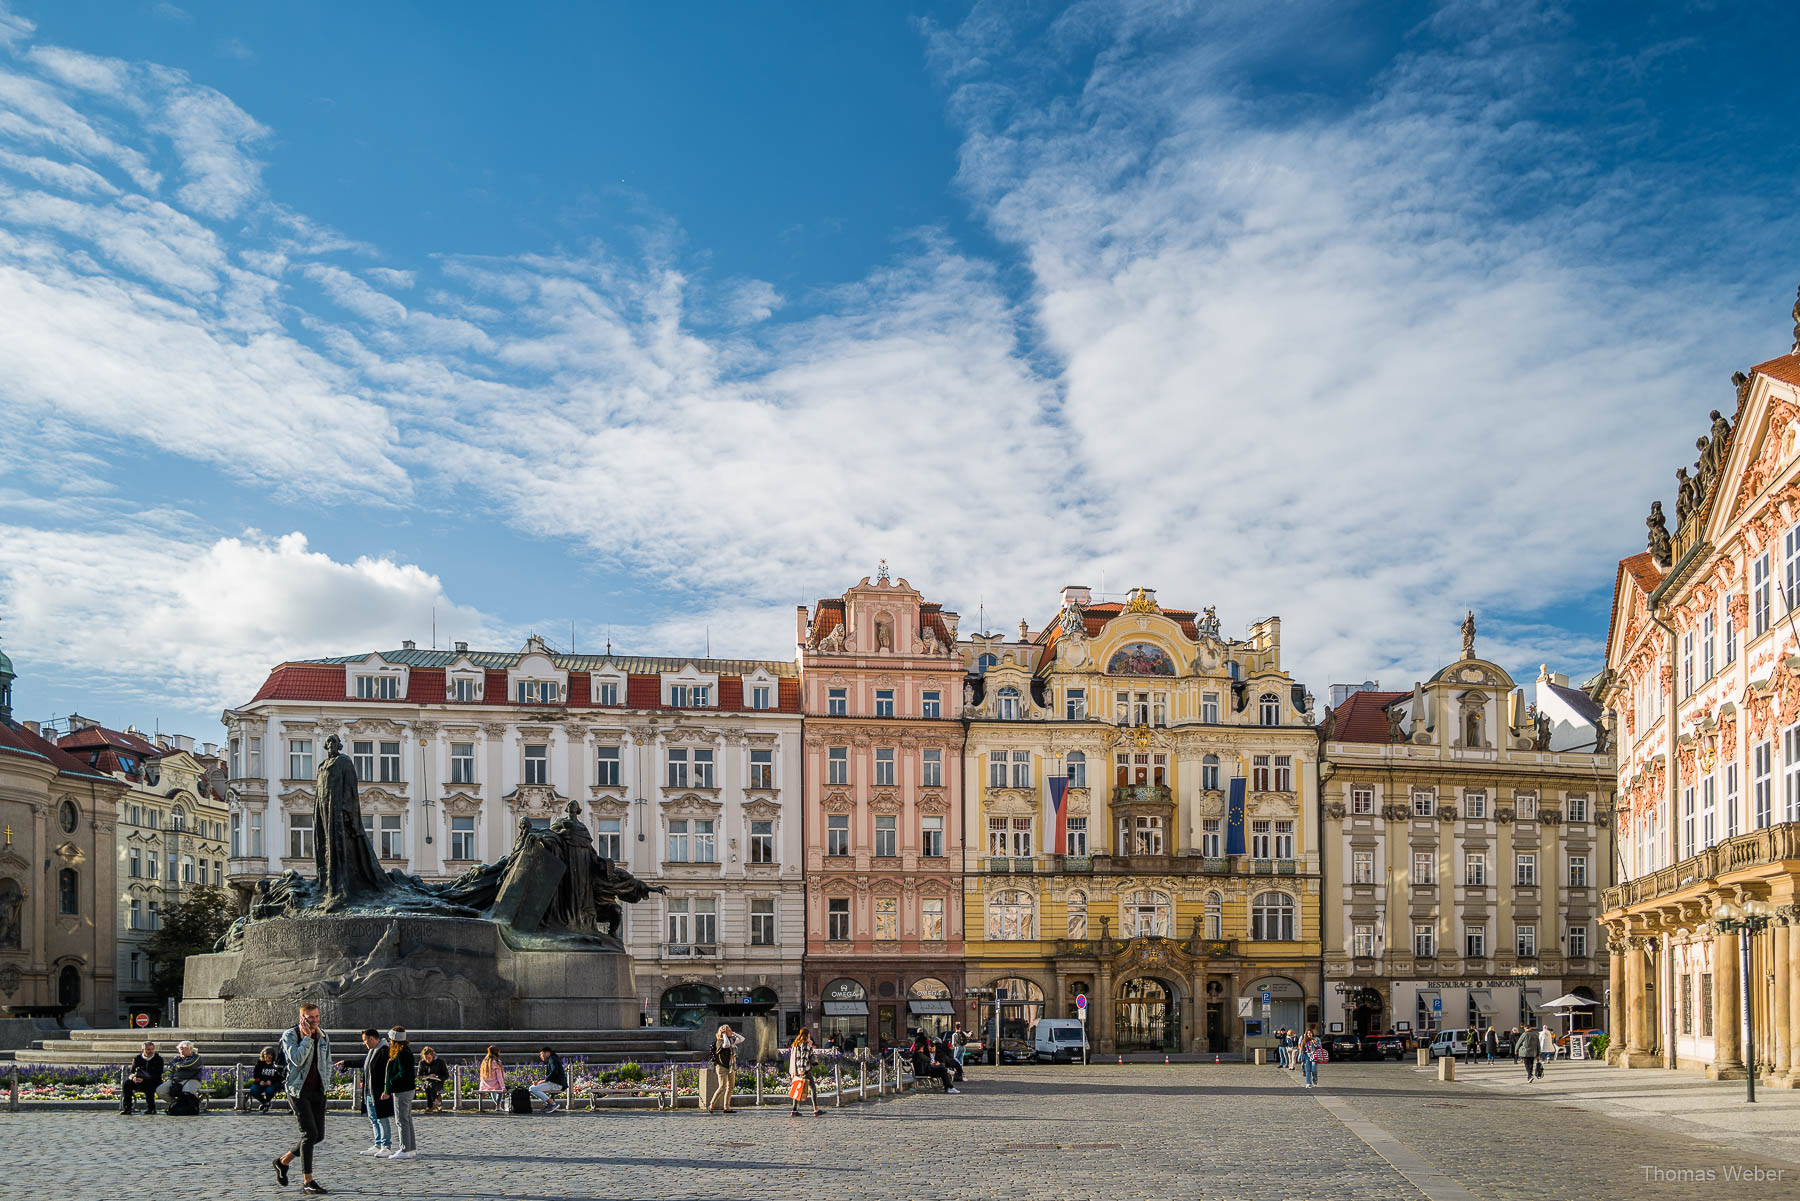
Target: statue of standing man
<point x="341" y="852"/>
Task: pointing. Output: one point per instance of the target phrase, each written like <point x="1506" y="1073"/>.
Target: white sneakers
<point x="381" y="1151"/>
<point x="404" y="1155"/>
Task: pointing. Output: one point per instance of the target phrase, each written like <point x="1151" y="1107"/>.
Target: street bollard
<point x="837" y="1086"/>
<point x="1447" y="1068"/>
<point x="237" y="1086"/>
<point x="12" y="1089"/>
<point x="1424" y="1057"/>
<point x="759" y="1067"/>
<point x="881" y="1077"/>
<point x="456" y="1088"/>
<point x="862" y="1080"/>
<point x="674" y="1096"/>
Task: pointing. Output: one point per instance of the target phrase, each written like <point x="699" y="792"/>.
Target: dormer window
<point x="762" y="696"/>
<point x="1007" y="703"/>
<point x="539" y="692"/>
<point x="609" y="692"/>
<point x="690" y="696"/>
<point x="985" y="662"/>
<point x="377" y="688"/>
<point x="465" y="689"/>
<point x="1269" y="709"/>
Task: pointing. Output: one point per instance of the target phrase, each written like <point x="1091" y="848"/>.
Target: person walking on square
<point x="305" y="1050"/>
<point x="399" y="1079"/>
<point x="378" y="1109"/>
<point x="433" y="1076"/>
<point x="1526" y="1048"/>
<point x="555" y="1079"/>
<point x="959" y="1046"/>
<point x="1309" y="1062"/>
<point x="145" y="1075"/>
<point x="800" y="1059"/>
<point x="1492" y="1042"/>
<point x="492" y="1076"/>
<point x="1546" y="1048"/>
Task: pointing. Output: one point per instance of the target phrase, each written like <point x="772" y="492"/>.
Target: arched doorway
<point x="1365" y="1009"/>
<point x="688" y="1004"/>
<point x="68" y="989"/>
<point x="1147" y="1015"/>
<point x="1018" y="1001"/>
<point x="844" y="1014"/>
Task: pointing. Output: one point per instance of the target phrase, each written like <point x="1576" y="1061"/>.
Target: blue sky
<point x="662" y="319"/>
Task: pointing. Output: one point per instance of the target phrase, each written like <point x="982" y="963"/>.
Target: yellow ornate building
<point x="1140" y="829"/>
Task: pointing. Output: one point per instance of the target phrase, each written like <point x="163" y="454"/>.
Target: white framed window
<point x="1475" y="942"/>
<point x="393" y="843"/>
<point x="1731" y="800"/>
<point x="1791" y="773"/>
<point x="362" y="758"/>
<point x="1424" y="867"/>
<point x="255" y="753"/>
<point x="1362" y="867"/>
<point x="236" y="758"/>
<point x="837" y="702"/>
<point x="389" y="763"/>
<point x="1272" y="918"/>
<point x="1525" y="940"/>
<point x="680" y="848"/>
<point x="762" y="921"/>
<point x="607" y="764"/>
<point x="300" y="759"/>
<point x="137" y="914"/>
<point x="1578" y="937"/>
<point x="998" y="840"/>
<point x="300" y="839"/>
<point x="1525" y="806"/>
<point x="1209" y="708"/>
<point x="1209" y="773"/>
<point x="1362" y="801"/>
<point x="1475" y="806"/>
<point x="462" y="763"/>
<point x="931" y="767"/>
<point x="1424" y="804"/>
<point x="1021" y="838"/>
<point x="677" y="767"/>
<point x="837" y="835"/>
<point x="609" y="692"/>
<point x="705" y="844"/>
<point x="1212" y="844"/>
<point x="537" y="763"/>
<point x="1010" y="917"/>
<point x="1688" y="823"/>
<point x="1076" y="909"/>
<point x="1762" y="757"/>
<point x="762" y="768"/>
<point x="887" y="836"/>
<point x="681" y="928"/>
<point x="1578" y="873"/>
<point x="465" y="689"/>
<point x="1425" y="941"/>
<point x="539" y="692"/>
<point x="1075" y="704"/>
<point x="703" y="768"/>
<point x="1260" y="840"/>
<point x="1728" y="629"/>
<point x="1284" y="773"/>
<point x="884" y="766"/>
<point x="887" y="919"/>
<point x="837" y="919"/>
<point x="762" y="841"/>
<point x="155" y="916"/>
<point x="1525" y="869"/>
<point x="1284" y="838"/>
<point x="690" y="696"/>
<point x="931" y="703"/>
<point x="1214" y="915"/>
<point x="1075" y="768"/>
<point x="931" y="837"/>
<point x="1268" y="709"/>
<point x="462" y="838"/>
<point x="837" y="765"/>
<point x="884" y="702"/>
<point x="931" y="919"/>
<point x="1759" y="595"/>
<point x="377" y="688"/>
<point x="1706" y="646"/>
<point x="1687" y="663"/>
<point x="762" y="697"/>
<point x="255" y="842"/>
<point x="1021" y="769"/>
<point x="1363" y="941"/>
<point x="1007" y="704"/>
<point x="1259" y="773"/>
<point x="1078" y="836"/>
<point x="1147" y="835"/>
<point x="1475" y="869"/>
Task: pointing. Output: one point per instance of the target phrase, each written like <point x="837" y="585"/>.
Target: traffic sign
<point x="1081" y="1000"/>
<point x="1267" y="996"/>
<point x="1437" y="1004"/>
<point x="143" y="1019"/>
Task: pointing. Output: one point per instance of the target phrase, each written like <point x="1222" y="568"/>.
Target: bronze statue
<point x="342" y="856"/>
<point x="1662" y="549"/>
<point x="1687" y="497"/>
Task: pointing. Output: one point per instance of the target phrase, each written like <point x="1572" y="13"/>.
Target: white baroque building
<point x="686" y="770"/>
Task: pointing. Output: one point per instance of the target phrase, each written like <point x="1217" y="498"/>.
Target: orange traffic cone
<point x="1215" y="1058"/>
<point x="1121" y="1060"/>
<point x="1165" y="1060"/>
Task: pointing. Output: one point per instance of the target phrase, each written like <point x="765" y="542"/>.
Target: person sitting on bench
<point x="266" y="1079"/>
<point x="924" y="1066"/>
<point x="145" y="1075"/>
<point x="182" y="1089"/>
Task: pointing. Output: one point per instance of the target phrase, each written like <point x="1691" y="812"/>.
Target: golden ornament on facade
<point x="1140" y="602"/>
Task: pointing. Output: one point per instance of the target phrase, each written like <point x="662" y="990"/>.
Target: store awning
<point x="1427" y="996"/>
<point x="846" y="1009"/>
<point x="932" y="1008"/>
<point x="1484" y="1000"/>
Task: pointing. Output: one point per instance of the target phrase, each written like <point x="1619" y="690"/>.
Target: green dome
<point x="6" y="667"/>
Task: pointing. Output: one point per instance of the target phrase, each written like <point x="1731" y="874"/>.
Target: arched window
<point x="1209" y="773"/>
<point x="1078" y="915"/>
<point x="1146" y="915"/>
<point x="68" y="892"/>
<point x="1010" y="917"/>
<point x="1272" y="918"/>
<point x="1007" y="701"/>
<point x="985" y="662"/>
<point x="178" y="818"/>
<point x="1215" y="915"/>
<point x="1075" y="767"/>
<point x="1269" y="707"/>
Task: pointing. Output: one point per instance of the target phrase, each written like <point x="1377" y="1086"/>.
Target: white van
<point x="1058" y="1040"/>
<point x="1454" y="1043"/>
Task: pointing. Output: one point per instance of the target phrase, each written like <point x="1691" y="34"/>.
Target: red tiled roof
<point x="1641" y="569"/>
<point x="1094" y="618"/>
<point x="303" y="682"/>
<point x="1786" y="369"/>
<point x="643" y="692"/>
<point x="731" y="692"/>
<point x="581" y="686"/>
<point x="17" y="740"/>
<point x="493" y="688"/>
<point x="787" y="697"/>
<point x="931" y="617"/>
<point x="828" y="617"/>
<point x="1362" y="718"/>
<point x="425" y="685"/>
<point x="90" y="737"/>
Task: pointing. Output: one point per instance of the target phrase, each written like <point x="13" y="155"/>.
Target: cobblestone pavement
<point x="1118" y="1133"/>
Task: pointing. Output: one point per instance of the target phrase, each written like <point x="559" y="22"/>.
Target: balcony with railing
<point x="690" y="950"/>
<point x="1766" y="847"/>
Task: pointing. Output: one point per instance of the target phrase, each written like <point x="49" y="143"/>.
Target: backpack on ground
<point x="519" y="1101"/>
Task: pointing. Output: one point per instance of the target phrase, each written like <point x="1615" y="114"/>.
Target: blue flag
<point x="1234" y="818"/>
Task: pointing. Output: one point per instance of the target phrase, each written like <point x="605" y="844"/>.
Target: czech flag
<point x="1059" y="790"/>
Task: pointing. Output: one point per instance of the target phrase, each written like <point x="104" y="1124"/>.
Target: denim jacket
<point x="297" y="1050"/>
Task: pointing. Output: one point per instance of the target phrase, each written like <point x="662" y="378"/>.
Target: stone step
<point x="220" y="1047"/>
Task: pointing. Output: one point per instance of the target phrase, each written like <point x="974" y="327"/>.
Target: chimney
<point x="1075" y="594"/>
<point x="211" y="748"/>
<point x="802" y="626"/>
<point x="31" y="726"/>
<point x="462" y="648"/>
<point x="409" y="645"/>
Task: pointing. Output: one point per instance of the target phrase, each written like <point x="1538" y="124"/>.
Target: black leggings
<point x="309" y="1112"/>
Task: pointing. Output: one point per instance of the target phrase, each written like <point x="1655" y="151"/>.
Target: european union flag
<point x="1234" y="818"/>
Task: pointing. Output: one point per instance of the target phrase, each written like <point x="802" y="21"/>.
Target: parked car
<point x="1015" y="1050"/>
<point x="1345" y="1047"/>
<point x="1058" y="1040"/>
<point x="1393" y="1046"/>
<point x="1452" y="1043"/>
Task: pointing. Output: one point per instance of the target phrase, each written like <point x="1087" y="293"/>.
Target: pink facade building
<point x="882" y="690"/>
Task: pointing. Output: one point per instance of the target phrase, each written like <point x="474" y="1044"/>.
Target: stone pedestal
<point x="423" y="972"/>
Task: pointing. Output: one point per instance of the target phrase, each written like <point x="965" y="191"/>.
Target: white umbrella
<point x="1569" y="1001"/>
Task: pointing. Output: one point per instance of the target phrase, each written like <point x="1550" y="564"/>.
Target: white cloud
<point x="198" y="623"/>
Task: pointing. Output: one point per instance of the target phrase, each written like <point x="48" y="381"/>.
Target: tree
<point x="191" y="927"/>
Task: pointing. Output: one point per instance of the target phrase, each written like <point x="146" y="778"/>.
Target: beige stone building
<point x="1470" y="840"/>
<point x="57" y="930"/>
<point x="1703" y="675"/>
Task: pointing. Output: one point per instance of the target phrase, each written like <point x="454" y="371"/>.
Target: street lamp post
<point x="1744" y="920"/>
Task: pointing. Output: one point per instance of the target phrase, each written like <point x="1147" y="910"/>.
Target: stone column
<point x="1792" y="1016"/>
<point x="1728" y="1035"/>
<point x="1781" y="961"/>
<point x="1636" y="1003"/>
<point x="1617" y="998"/>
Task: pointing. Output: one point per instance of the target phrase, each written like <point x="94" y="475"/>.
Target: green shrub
<point x="631" y="1072"/>
<point x="1597" y="1046"/>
